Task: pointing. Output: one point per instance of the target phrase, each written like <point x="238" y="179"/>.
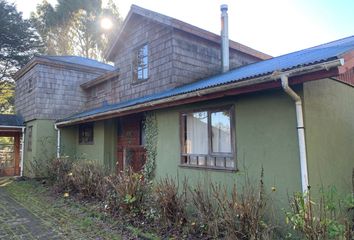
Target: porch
<point x="11" y="142"/>
<point x="115" y="143"/>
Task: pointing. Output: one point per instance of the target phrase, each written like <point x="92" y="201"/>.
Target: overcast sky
<point x="272" y="26"/>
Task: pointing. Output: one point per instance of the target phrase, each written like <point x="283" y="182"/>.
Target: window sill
<point x="208" y="168"/>
<point x="88" y="143"/>
<point x="137" y="82"/>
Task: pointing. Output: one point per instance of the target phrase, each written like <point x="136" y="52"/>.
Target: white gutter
<point x="58" y="140"/>
<point x="22" y="150"/>
<point x="267" y="78"/>
<point x="300" y="123"/>
<point x="5" y="126"/>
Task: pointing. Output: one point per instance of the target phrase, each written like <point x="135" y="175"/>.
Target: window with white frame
<point x="208" y="138"/>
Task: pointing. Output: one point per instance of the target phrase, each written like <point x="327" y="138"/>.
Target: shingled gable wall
<point x="175" y="58"/>
<point x="55" y="93"/>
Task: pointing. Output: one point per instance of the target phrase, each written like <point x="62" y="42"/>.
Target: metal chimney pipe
<point x="225" y="61"/>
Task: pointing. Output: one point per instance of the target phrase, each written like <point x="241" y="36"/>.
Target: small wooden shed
<point x="11" y="145"/>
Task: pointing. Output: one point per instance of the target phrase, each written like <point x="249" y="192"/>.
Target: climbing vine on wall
<point x="151" y="131"/>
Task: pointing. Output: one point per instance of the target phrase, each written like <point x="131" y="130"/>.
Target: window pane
<point x="230" y="163"/>
<point x="221" y="132"/>
<point x="140" y="74"/>
<point x="196" y="133"/>
<point x="141" y="63"/>
<point x="145" y="73"/>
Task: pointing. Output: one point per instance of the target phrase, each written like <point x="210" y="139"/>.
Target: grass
<point x="71" y="218"/>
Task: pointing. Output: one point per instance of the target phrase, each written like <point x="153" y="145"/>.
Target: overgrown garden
<point x="175" y="208"/>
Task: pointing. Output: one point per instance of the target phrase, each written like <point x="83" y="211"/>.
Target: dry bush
<point x="128" y="192"/>
<point x="206" y="213"/>
<point x="171" y="201"/>
<point x="88" y="179"/>
<point x="59" y="174"/>
<point x="243" y="213"/>
<point x="232" y="214"/>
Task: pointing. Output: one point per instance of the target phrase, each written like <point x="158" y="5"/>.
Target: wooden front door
<point x="131" y="152"/>
<point x="9" y="154"/>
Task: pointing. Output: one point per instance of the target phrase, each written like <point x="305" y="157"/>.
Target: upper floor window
<point x="86" y="133"/>
<point x="140" y="64"/>
<point x="29" y="85"/>
<point x="208" y="139"/>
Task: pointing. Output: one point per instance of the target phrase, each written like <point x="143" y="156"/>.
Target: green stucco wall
<point x="329" y="118"/>
<point x="103" y="149"/>
<point x="43" y="145"/>
<point x="265" y="136"/>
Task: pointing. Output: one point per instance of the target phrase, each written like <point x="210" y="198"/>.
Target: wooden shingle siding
<point x="174" y="58"/>
<point x="56" y="92"/>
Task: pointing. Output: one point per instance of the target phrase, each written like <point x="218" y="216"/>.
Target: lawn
<point x="70" y="218"/>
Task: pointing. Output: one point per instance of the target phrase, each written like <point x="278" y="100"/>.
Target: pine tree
<point x="72" y="27"/>
<point x="18" y="43"/>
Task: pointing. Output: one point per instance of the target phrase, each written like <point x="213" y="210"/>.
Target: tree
<point x="18" y="43"/>
<point x="72" y="27"/>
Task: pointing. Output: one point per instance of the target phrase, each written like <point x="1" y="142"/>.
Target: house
<point x="293" y="115"/>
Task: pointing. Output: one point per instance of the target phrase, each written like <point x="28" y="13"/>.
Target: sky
<point x="274" y="27"/>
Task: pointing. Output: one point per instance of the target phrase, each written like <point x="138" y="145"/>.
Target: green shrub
<point x="321" y="219"/>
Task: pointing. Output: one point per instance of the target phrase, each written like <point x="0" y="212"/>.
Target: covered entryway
<point x="130" y="143"/>
<point x="11" y="134"/>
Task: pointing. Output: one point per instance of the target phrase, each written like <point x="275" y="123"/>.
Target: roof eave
<point x="270" y="77"/>
<point x="100" y="79"/>
<point x="56" y="63"/>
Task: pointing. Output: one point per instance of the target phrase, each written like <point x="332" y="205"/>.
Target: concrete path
<point x="17" y="222"/>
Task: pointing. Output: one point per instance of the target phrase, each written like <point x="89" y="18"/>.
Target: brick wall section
<point x="175" y="58"/>
<point x="56" y="92"/>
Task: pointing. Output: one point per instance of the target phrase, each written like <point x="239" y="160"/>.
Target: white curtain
<point x="197" y="133"/>
<point x="221" y="139"/>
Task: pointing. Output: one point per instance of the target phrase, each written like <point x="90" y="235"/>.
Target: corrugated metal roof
<point x="11" y="120"/>
<point x="81" y="61"/>
<point x="306" y="57"/>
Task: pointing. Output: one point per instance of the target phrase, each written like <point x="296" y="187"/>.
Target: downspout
<point x="300" y="131"/>
<point x="22" y="149"/>
<point x="58" y="140"/>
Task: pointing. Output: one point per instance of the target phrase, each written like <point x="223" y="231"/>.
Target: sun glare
<point x="106" y="23"/>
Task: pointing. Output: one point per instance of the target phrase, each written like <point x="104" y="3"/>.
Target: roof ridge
<point x="187" y="27"/>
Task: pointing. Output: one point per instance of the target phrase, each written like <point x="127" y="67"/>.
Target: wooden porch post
<point x="17" y="154"/>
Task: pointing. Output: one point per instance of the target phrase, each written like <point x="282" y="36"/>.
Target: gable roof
<point x="70" y="62"/>
<point x="175" y="23"/>
<point x="307" y="58"/>
<point x="11" y="120"/>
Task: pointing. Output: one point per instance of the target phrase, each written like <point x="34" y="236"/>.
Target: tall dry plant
<point x="129" y="190"/>
<point x="171" y="201"/>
